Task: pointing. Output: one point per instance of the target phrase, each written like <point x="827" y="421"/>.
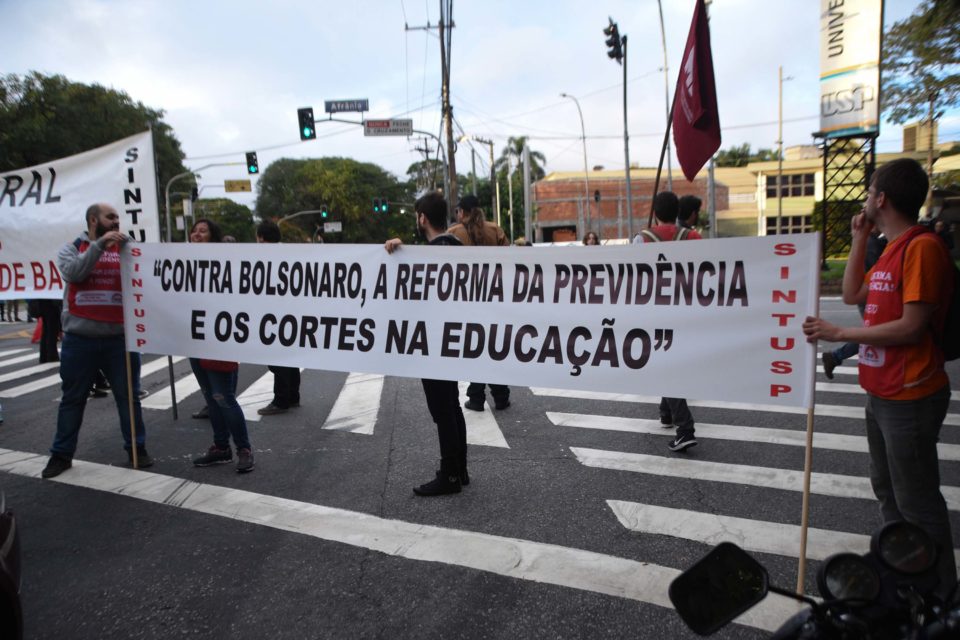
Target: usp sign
<point x="393" y="127"/>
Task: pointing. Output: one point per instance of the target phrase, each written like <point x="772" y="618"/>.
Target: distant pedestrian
<point x="474" y="230"/>
<point x="218" y="383"/>
<point x="591" y="239"/>
<point x="93" y="337"/>
<point x="286" y="380"/>
<point x="688" y="216"/>
<point x="443" y="396"/>
<point x="50" y="311"/>
<point x="674" y="412"/>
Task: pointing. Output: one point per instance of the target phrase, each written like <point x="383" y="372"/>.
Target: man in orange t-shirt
<point x="901" y="365"/>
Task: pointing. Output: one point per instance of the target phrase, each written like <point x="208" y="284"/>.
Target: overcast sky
<point x="230" y="75"/>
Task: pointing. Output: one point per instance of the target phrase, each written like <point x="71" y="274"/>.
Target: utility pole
<point x="618" y="52"/>
<point x="780" y="151"/>
<point x="473" y="170"/>
<point x="666" y="82"/>
<point x="446" y="25"/>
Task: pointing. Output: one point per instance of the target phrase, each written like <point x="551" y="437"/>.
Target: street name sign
<point x="401" y="127"/>
<point x="332" y="227"/>
<point x="339" y="106"/>
<point x="234" y="186"/>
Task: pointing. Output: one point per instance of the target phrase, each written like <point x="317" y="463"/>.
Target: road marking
<point x="795" y="438"/>
<point x="256" y="396"/>
<point x="162" y="399"/>
<point x="482" y="426"/>
<point x="9" y="352"/>
<point x="511" y="557"/>
<point x="29" y="371"/>
<point x="847" y="371"/>
<point x="358" y="404"/>
<point x="827" y="410"/>
<point x="839" y="387"/>
<point x="49" y="381"/>
<point x="19" y="360"/>
<point x="826" y="484"/>
<point x="752" y="535"/>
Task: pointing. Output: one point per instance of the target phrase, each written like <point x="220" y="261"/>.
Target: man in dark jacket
<point x="443" y="396"/>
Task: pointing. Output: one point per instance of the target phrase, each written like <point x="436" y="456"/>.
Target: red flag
<point x="696" y="121"/>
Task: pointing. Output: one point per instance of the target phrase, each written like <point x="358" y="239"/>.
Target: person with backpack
<point x="443" y="396"/>
<point x="674" y="412"/>
<point x="907" y="294"/>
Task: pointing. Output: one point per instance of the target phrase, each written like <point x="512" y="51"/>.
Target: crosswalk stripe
<point x="796" y="438"/>
<point x="29" y="371"/>
<point x="6" y="353"/>
<point x="49" y="381"/>
<point x="826" y="410"/>
<point x="357" y="406"/>
<point x="752" y="535"/>
<point x="19" y="360"/>
<point x="500" y="555"/>
<point x="847" y="371"/>
<point x="256" y="396"/>
<point x="161" y="399"/>
<point x="827" y="484"/>
<point x="482" y="426"/>
<point x="839" y="387"/>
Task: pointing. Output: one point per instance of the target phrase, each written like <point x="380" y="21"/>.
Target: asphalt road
<point x="576" y="518"/>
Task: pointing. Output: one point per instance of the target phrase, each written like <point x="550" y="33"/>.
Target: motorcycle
<point x="885" y="593"/>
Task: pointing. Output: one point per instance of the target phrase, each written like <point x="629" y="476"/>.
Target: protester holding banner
<point x="443" y="396"/>
<point x="901" y="363"/>
<point x="674" y="412"/>
<point x="93" y="336"/>
<point x="218" y="383"/>
<point x="474" y="230"/>
<point x="286" y="380"/>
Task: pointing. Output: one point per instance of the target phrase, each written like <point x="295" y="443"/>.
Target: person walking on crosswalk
<point x="218" y="383"/>
<point x="674" y="412"/>
<point x="93" y="337"/>
<point x="901" y="367"/>
<point x="474" y="230"/>
<point x="443" y="396"/>
<point x="286" y="380"/>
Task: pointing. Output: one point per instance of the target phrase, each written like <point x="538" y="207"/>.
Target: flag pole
<point x="663" y="151"/>
<point x="133" y="422"/>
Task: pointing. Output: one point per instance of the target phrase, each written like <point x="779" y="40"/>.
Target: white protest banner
<point x="717" y="319"/>
<point x="42" y="208"/>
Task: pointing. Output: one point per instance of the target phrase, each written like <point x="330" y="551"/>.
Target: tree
<point x="345" y="186"/>
<point x="513" y="154"/>
<point x="740" y="156"/>
<point x="43" y="118"/>
<point x="921" y="55"/>
<point x="234" y="219"/>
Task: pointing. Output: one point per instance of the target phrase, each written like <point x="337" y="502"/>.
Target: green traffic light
<point x="252" y="169"/>
<point x="323" y="214"/>
<point x="307" y="132"/>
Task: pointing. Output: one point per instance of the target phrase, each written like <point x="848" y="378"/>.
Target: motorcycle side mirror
<point x="721" y="586"/>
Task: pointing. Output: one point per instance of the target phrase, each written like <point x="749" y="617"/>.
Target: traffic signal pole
<point x="626" y="144"/>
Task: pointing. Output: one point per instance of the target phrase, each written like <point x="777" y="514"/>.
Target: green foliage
<point x="921" y="55"/>
<point x="234" y="219"/>
<point x="838" y="224"/>
<point x="346" y="186"/>
<point x="43" y="118"/>
<point x="740" y="156"/>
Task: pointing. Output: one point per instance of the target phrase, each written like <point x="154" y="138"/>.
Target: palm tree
<point x="514" y="150"/>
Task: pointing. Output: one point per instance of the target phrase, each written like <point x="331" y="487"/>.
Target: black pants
<point x="443" y="401"/>
<point x="50" y="314"/>
<point x="675" y="410"/>
<point x="477" y="391"/>
<point x="286" y="386"/>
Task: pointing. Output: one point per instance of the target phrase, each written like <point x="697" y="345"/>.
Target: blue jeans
<point x="80" y="357"/>
<point x="905" y="471"/>
<point x="846" y="350"/>
<point x="220" y="391"/>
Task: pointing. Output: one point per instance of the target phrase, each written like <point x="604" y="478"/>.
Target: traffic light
<point x="381" y="205"/>
<point x="376" y="205"/>
<point x="252" y="167"/>
<point x="308" y="129"/>
<point x="324" y="211"/>
<point x="613" y="41"/>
